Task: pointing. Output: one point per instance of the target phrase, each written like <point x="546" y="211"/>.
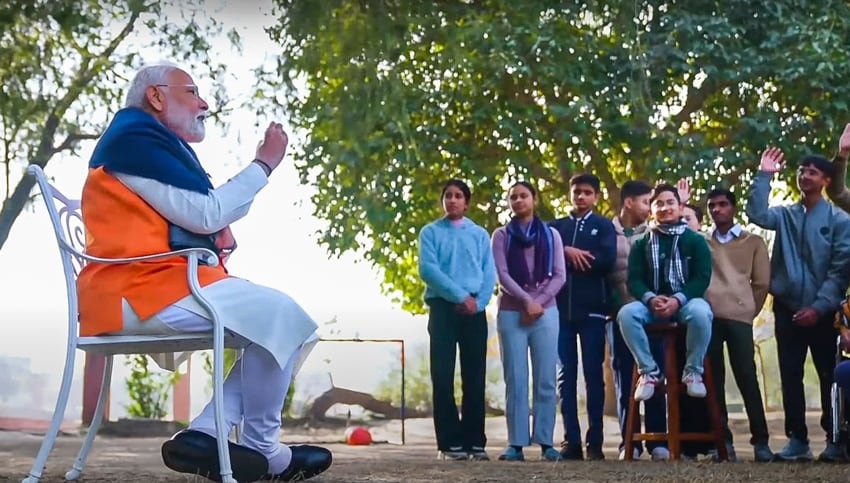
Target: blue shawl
<point x="538" y="235"/>
<point x="137" y="144"/>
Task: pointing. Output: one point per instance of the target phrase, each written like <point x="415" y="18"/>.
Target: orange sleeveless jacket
<point x="120" y="224"/>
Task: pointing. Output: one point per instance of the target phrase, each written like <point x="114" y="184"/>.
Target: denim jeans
<point x="696" y="315"/>
<point x="516" y="342"/>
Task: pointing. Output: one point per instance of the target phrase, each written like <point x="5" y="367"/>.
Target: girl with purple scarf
<point x="531" y="271"/>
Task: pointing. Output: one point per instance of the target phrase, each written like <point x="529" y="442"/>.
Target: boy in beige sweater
<point x="739" y="285"/>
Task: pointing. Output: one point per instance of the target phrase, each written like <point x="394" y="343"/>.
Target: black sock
<point x="544" y="447"/>
<point x="518" y="448"/>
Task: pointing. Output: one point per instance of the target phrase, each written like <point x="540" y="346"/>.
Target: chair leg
<point x="58" y="415"/>
<point x="218" y="407"/>
<point x="77" y="469"/>
<point x="239" y="430"/>
<point x="714" y="413"/>
<point x="671" y="372"/>
<point x="629" y="435"/>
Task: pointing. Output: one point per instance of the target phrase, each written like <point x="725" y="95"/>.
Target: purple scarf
<point x="538" y="235"/>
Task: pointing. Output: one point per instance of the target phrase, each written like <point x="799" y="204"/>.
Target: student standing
<point x="531" y="272"/>
<point x="590" y="248"/>
<point x="740" y="278"/>
<point x="456" y="264"/>
<point x="809" y="275"/>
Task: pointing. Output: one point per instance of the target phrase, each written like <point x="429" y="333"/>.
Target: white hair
<point x="149" y="75"/>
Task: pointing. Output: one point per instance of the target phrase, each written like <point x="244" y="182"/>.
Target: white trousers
<point x="254" y="390"/>
<point x="279" y="335"/>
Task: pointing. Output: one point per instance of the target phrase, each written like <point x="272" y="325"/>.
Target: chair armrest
<point x="211" y="257"/>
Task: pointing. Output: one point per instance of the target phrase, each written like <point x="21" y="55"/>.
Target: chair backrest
<point x="67" y="222"/>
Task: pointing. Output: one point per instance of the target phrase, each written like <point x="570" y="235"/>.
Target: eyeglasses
<point x="191" y="88"/>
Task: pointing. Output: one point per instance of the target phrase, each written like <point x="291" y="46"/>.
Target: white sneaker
<point x="693" y="382"/>
<point x="635" y="454"/>
<point x="660" y="454"/>
<point x="646" y="386"/>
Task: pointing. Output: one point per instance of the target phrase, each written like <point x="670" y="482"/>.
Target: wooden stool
<point x="669" y="332"/>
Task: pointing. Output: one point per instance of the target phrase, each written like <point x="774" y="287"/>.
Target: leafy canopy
<point x="400" y="96"/>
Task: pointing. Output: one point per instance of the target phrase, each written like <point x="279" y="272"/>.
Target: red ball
<point x="358" y="436"/>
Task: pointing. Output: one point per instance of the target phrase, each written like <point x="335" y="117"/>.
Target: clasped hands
<point x="664" y="307"/>
<point x="468" y="307"/>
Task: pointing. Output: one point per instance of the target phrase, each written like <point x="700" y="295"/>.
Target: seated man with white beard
<point x="146" y="192"/>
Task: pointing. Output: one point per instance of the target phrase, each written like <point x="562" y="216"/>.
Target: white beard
<point x="187" y="123"/>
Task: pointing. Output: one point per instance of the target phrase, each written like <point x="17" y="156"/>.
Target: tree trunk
<point x="13" y="206"/>
<point x="368" y="402"/>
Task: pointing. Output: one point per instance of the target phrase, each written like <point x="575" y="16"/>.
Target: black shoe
<point x="307" y="462"/>
<point x="196" y="453"/>
<point x="571" y="451"/>
<point x="594" y="453"/>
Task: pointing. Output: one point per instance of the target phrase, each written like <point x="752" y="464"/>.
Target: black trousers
<point x="738" y="338"/>
<point x="792" y="344"/>
<point x="448" y="331"/>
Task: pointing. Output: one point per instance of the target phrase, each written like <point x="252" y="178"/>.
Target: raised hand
<point x="273" y="146"/>
<point x="772" y="160"/>
<point x="844" y="142"/>
<point x="683" y="186"/>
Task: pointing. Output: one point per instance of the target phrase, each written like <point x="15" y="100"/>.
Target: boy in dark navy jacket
<point x="590" y="248"/>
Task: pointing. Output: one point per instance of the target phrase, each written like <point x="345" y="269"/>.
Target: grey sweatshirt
<point x="810" y="265"/>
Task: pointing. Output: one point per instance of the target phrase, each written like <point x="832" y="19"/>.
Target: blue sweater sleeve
<point x="488" y="271"/>
<point x="431" y="272"/>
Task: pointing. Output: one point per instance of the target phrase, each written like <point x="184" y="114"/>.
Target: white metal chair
<point x="67" y="223"/>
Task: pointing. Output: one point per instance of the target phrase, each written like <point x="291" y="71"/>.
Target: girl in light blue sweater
<point x="456" y="264"/>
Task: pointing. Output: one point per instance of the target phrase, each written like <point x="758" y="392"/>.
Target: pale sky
<point x="33" y="310"/>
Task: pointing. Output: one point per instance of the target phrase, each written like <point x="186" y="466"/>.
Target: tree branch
<point x="72" y="140"/>
<point x="696" y="101"/>
<point x="83" y="77"/>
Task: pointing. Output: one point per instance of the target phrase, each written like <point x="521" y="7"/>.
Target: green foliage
<point x="402" y="95"/>
<point x="64" y="65"/>
<point x="229" y="361"/>
<point x="417" y="389"/>
<point x="148" y="391"/>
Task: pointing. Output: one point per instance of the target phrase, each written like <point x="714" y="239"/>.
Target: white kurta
<point x="262" y="315"/>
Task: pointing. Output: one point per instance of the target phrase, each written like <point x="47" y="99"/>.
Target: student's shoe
<point x="571" y="451"/>
<point x="694" y="385"/>
<point x="833" y="453"/>
<point x="762" y="453"/>
<point x="477" y="453"/>
<point x="795" y="450"/>
<point x="453" y="454"/>
<point x="511" y="454"/>
<point x="550" y="454"/>
<point x="660" y="453"/>
<point x="635" y="454"/>
<point x="307" y="462"/>
<point x="594" y="453"/>
<point x="646" y="385"/>
<point x="730" y="452"/>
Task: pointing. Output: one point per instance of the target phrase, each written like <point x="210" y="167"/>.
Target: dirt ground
<point x="138" y="460"/>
